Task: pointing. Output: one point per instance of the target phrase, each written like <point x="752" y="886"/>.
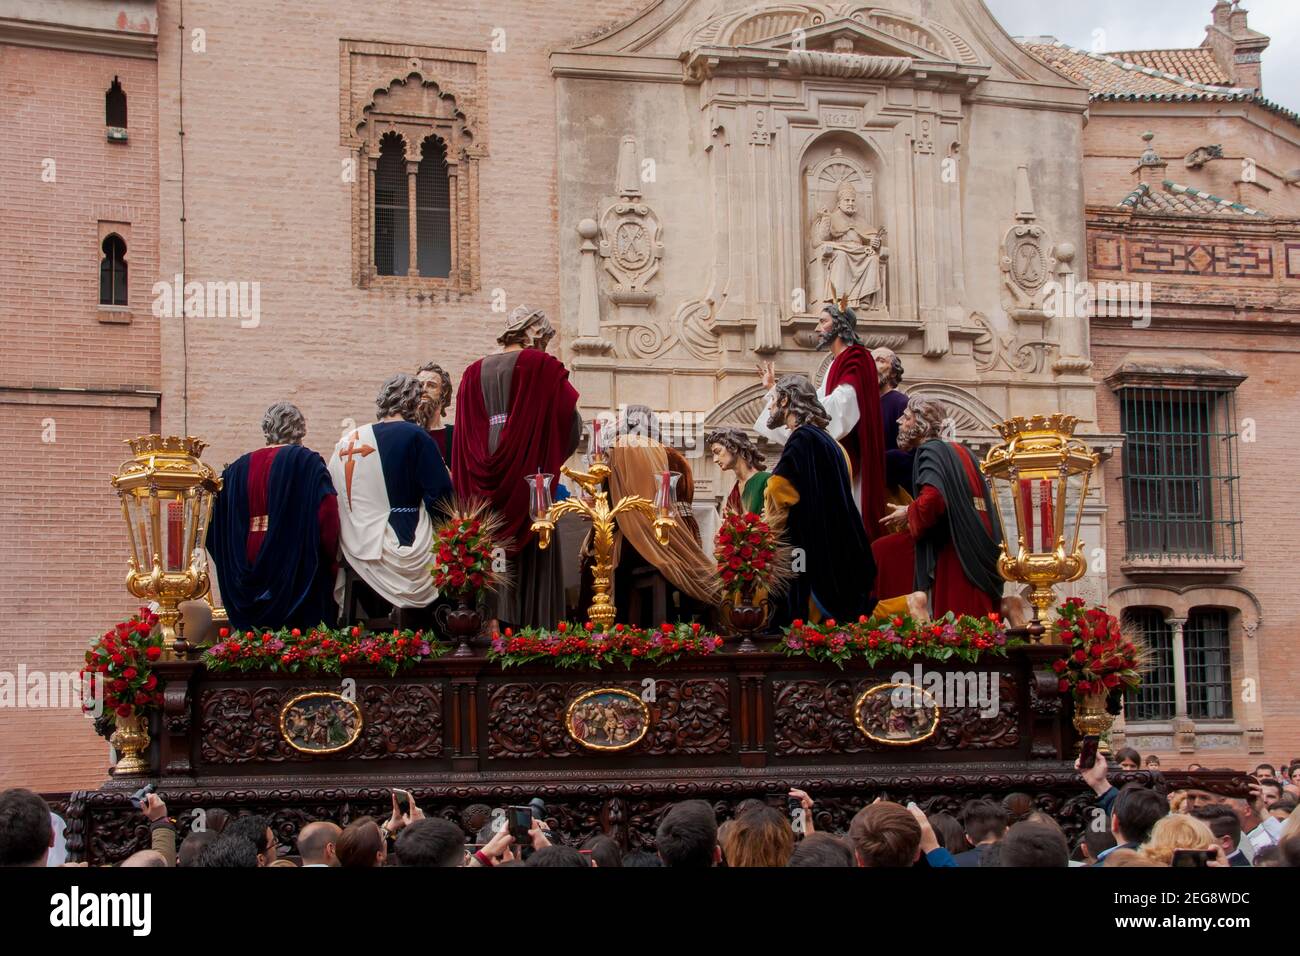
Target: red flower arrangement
<point x="462" y="553"/>
<point x="120" y="664"/>
<point x="1100" y="658"/>
<point x="747" y="556"/>
<point x="320" y="650"/>
<point x="584" y="645"/>
<point x="899" y="638"/>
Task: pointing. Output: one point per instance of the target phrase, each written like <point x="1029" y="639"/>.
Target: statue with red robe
<point x="517" y="415"/>
<point x="953" y="534"/>
<point x="850" y="396"/>
<point x="275" y="530"/>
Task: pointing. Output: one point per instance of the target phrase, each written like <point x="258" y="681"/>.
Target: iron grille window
<point x="1207" y="659"/>
<point x="1181" y="484"/>
<point x="433" y="210"/>
<point x="112" y="271"/>
<point x="392" y="217"/>
<point x="1154" y="700"/>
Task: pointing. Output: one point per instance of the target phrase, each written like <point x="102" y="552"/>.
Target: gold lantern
<point x="1044" y="471"/>
<point x="167" y="495"/>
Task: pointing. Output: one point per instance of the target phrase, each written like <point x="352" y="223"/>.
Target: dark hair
<point x="948" y="831"/>
<point x="1018" y="806"/>
<point x="1272" y="771"/>
<point x="688" y="835"/>
<point x="604" y="851"/>
<point x="229" y="850"/>
<point x="1127" y="753"/>
<point x="738" y="443"/>
<point x="1222" y="821"/>
<point x="983" y="819"/>
<point x="1270" y="855"/>
<point x="252" y="827"/>
<point x="431" y="841"/>
<point x="557" y="856"/>
<point x="1097" y="840"/>
<point x="1290" y="848"/>
<point x="444" y="378"/>
<point x="1034" y="843"/>
<point x="641" y="858"/>
<point x="1285" y="802"/>
<point x="761" y="836"/>
<point x="1275" y="784"/>
<point x="822" y="849"/>
<point x="25" y="828"/>
<point x="217" y="820"/>
<point x="359" y="843"/>
<point x="1136" y="811"/>
<point x="314" y="837"/>
<point x="885" y="835"/>
<point x="192" y="846"/>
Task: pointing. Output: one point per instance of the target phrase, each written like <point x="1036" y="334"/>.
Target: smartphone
<point x="403" y="800"/>
<point x="793" y="804"/>
<point x="520" y="821"/>
<point x="1088" y="752"/>
<point x="1194" y="858"/>
<point x="137" y="798"/>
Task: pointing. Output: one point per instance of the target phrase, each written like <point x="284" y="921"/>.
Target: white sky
<point x="1157" y="24"/>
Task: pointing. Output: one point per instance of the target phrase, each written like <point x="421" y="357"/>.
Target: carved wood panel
<point x="688" y="717"/>
<point x="815" y="717"/>
<point x="242" y="726"/>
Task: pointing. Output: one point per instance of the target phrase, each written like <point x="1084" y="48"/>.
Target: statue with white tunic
<point x="850" y="395"/>
<point x="845" y="263"/>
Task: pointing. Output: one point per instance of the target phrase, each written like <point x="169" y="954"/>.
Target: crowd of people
<point x="1135" y="825"/>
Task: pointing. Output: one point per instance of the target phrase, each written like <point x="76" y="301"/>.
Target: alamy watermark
<point x="947" y="689"/>
<point x="1105" y="300"/>
<point x="209" y="300"/>
<point x="52" y="690"/>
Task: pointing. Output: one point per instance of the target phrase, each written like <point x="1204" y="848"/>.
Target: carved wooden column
<point x="176" y="720"/>
<point x="463" y="704"/>
<point x="412" y="216"/>
<point x="753" y="740"/>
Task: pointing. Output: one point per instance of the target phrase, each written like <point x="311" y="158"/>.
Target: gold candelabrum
<point x="167" y="495"/>
<point x="602" y="517"/>
<point x="1045" y="471"/>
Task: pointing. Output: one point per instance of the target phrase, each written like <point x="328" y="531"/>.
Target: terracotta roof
<point x="1198" y="65"/>
<point x="1173" y="199"/>
<point x="1109" y="76"/>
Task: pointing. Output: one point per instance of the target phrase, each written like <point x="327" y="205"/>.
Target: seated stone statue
<point x="845" y="260"/>
<point x="274" y="531"/>
<point x="392" y="482"/>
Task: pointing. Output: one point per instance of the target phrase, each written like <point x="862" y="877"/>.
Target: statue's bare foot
<point x="1015" y="610"/>
<point x="918" y="605"/>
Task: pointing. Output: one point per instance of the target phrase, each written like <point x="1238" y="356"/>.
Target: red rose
<point x="130" y="673"/>
<point x="153" y="653"/>
<point x="1080" y="656"/>
<point x="118" y="659"/>
<point x="1059" y="665"/>
<point x="356" y="632"/>
<point x="224" y="632"/>
<point x="118" y="686"/>
<point x="150" y="682"/>
<point x="124" y="710"/>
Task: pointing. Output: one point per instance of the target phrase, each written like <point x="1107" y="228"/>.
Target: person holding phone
<point x="404" y="813"/>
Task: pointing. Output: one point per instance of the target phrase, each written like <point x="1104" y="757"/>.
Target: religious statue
<point x="516" y="415"/>
<point x="845" y="254"/>
<point x="433" y="407"/>
<point x="952" y="537"/>
<point x="850" y="396"/>
<point x="394" y="483"/>
<point x="735" y="451"/>
<point x="898" y="463"/>
<point x="275" y="529"/>
<point x="637" y="459"/>
<point x="809" y="500"/>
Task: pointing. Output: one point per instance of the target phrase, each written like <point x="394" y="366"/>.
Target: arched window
<point x="392" y="217"/>
<point x="433" y="209"/>
<point x="112" y="271"/>
<point x="115" y="106"/>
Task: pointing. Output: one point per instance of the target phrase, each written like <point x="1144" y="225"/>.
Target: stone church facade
<point x="680" y="184"/>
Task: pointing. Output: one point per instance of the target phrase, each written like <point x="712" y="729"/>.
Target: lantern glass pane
<point x="1037" y="500"/>
<point x="141" y="529"/>
<point x="1006" y="506"/>
<point x="666" y="494"/>
<point x="175" y="553"/>
<point x="1074" y="501"/>
<point x="539" y="495"/>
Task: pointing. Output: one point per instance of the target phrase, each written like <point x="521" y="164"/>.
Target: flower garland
<point x="321" y="650"/>
<point x="1100" y="657"/>
<point x="120" y="664"/>
<point x="584" y="645"/>
<point x="904" y="637"/>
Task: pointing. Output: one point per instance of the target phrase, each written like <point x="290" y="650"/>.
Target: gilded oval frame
<point x="332" y="695"/>
<point x="932" y="707"/>
<point x="578" y="701"/>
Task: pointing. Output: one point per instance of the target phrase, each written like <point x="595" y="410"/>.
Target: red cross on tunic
<point x="348" y="454"/>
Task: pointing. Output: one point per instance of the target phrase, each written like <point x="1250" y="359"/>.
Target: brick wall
<point x="61" y="536"/>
